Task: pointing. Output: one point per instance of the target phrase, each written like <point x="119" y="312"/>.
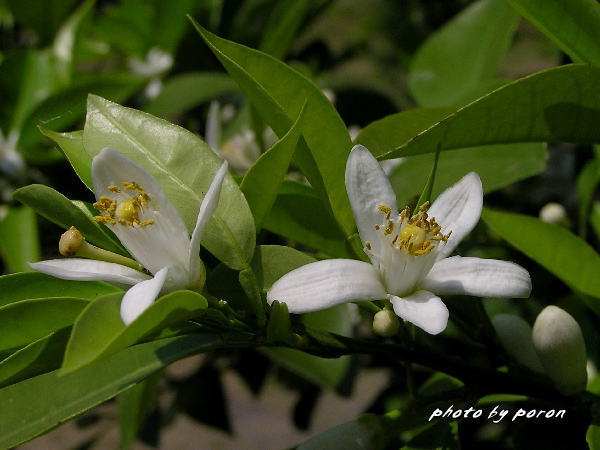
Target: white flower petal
<point x="478" y="277"/>
<point x="207" y="208"/>
<point x="139" y="298"/>
<point x="89" y="270"/>
<point x="458" y="209"/>
<point x="163" y="243"/>
<point x="368" y="187"/>
<point x="424" y="309"/>
<point x="326" y="283"/>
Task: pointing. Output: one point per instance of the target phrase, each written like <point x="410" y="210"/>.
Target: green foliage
<point x="461" y="59"/>
<point x="100" y="332"/>
<point x="19" y="242"/>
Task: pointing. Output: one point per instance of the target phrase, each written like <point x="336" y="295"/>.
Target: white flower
<point x="409" y="255"/>
<point x="135" y="207"/>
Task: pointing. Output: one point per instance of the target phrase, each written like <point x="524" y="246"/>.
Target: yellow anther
<point x="132" y="186"/>
<point x="368" y="245"/>
<point x="114" y="189"/>
<point x="145" y="223"/>
<point x="424" y="207"/>
<point x="386" y="210"/>
<point x="414" y="235"/>
<point x="389" y="228"/>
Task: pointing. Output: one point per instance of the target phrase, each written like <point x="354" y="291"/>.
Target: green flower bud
<point x="515" y="336"/>
<point x="559" y="343"/>
<point x="386" y="323"/>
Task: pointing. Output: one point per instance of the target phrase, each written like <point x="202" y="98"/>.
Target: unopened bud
<point x="515" y="336"/>
<point x="554" y="213"/>
<point x="70" y="242"/>
<point x="386" y="323"/>
<point x="559" y="343"/>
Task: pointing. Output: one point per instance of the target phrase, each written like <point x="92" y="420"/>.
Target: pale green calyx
<point x="514" y="334"/>
<point x="558" y="341"/>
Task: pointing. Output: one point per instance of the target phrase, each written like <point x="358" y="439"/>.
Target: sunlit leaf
<point x="19" y="239"/>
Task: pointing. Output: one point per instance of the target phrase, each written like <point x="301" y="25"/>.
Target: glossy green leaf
<point x="573" y="25"/>
<point x="135" y="405"/>
<point x="497" y="166"/>
<point x="28" y="320"/>
<point x="567" y="256"/>
<point x="19" y="239"/>
<point x="595" y="218"/>
<point x="26" y="414"/>
<point x="183" y="92"/>
<point x="60" y="210"/>
<point x="99" y="330"/>
<point x="561" y="104"/>
<point x="278" y="93"/>
<point x="35" y="285"/>
<point x="284" y="22"/>
<point x="71" y="145"/>
<point x="184" y="166"/>
<point x="592" y="437"/>
<point x="270" y="263"/>
<point x="262" y="181"/>
<point x="43" y="16"/>
<point x="298" y="214"/>
<point x="463" y="55"/>
<point x="41" y="356"/>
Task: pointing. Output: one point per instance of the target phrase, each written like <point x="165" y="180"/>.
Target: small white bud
<point x="559" y="343"/>
<point x="515" y="336"/>
<point x="554" y="213"/>
<point x="70" y="242"/>
<point x="386" y="323"/>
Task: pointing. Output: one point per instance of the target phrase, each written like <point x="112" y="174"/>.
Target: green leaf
<point x="27" y="414"/>
<point x="262" y="181"/>
<point x="183" y="92"/>
<point x="279" y="328"/>
<point x="573" y="25"/>
<point x="442" y="435"/>
<point x="270" y="263"/>
<point x="19" y="239"/>
<point x="561" y="104"/>
<point x="592" y="437"/>
<point x="100" y="332"/>
<point x="567" y="256"/>
<point x="595" y="218"/>
<point x="60" y="210"/>
<point x="35" y="285"/>
<point x="278" y="92"/>
<point x="184" y="166"/>
<point x="298" y="214"/>
<point x="587" y="182"/>
<point x="284" y="22"/>
<point x="455" y="61"/>
<point x="71" y="145"/>
<point x="41" y="356"/>
<point x="135" y="405"/>
<point x="426" y="194"/>
<point x="43" y="16"/>
<point x="497" y="166"/>
<point x="28" y="320"/>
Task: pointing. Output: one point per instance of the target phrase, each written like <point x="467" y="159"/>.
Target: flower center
<point x="417" y="235"/>
<point x="124" y="212"/>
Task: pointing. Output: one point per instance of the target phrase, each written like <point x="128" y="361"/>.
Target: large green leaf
<point x="24" y="286"/>
<point x="59" y="209"/>
<point x="587" y="183"/>
<point x="298" y="214"/>
<point x="284" y="22"/>
<point x="28" y="320"/>
<point x="43" y="16"/>
<point x="459" y="58"/>
<point x="41" y="356"/>
<point x="99" y="330"/>
<point x="365" y="433"/>
<point x="574" y="25"/>
<point x="278" y="92"/>
<point x="26" y="414"/>
<point x="184" y="166"/>
<point x="270" y="263"/>
<point x="567" y="256"/>
<point x="71" y="144"/>
<point x="19" y="239"/>
<point x="556" y="105"/>
<point x="497" y="166"/>
<point x="183" y="92"/>
<point x="262" y="181"/>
